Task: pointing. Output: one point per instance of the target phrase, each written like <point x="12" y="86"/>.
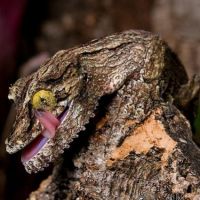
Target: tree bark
<point x="118" y="156"/>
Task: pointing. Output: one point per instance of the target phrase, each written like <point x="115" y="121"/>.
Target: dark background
<point x="32" y="30"/>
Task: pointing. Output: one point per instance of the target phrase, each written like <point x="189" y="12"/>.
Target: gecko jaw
<point x="50" y="124"/>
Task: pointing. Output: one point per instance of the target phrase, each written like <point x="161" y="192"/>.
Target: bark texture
<point x="158" y="160"/>
<point x="138" y="146"/>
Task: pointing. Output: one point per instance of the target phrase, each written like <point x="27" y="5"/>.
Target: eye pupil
<point x="43" y="100"/>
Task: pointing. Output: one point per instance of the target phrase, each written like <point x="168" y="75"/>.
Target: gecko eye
<point x="43" y="100"/>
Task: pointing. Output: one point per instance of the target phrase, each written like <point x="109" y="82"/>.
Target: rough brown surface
<point x="161" y="171"/>
<point x="54" y="25"/>
<point x="150" y="134"/>
<point x="78" y="21"/>
<point x="135" y="144"/>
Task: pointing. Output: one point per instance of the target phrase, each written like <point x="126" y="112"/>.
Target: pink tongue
<point x="33" y="148"/>
<point x="49" y="121"/>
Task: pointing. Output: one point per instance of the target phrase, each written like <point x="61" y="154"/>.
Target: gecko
<point x="136" y="76"/>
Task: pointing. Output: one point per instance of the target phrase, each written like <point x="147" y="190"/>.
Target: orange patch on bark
<point x="150" y="134"/>
<point x="130" y="122"/>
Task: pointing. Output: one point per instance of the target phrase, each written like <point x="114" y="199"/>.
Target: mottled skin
<point x="137" y="73"/>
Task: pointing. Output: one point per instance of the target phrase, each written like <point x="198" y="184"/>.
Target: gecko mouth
<point x="50" y="124"/>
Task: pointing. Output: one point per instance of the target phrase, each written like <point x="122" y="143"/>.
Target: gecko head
<point x="53" y="105"/>
<point x="49" y="110"/>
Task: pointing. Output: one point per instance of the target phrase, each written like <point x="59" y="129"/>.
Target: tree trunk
<point x="138" y="146"/>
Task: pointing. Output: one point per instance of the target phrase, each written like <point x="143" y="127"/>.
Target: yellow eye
<point x="44" y="100"/>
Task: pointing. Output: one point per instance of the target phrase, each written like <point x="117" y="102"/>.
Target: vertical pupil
<point x="43" y="100"/>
